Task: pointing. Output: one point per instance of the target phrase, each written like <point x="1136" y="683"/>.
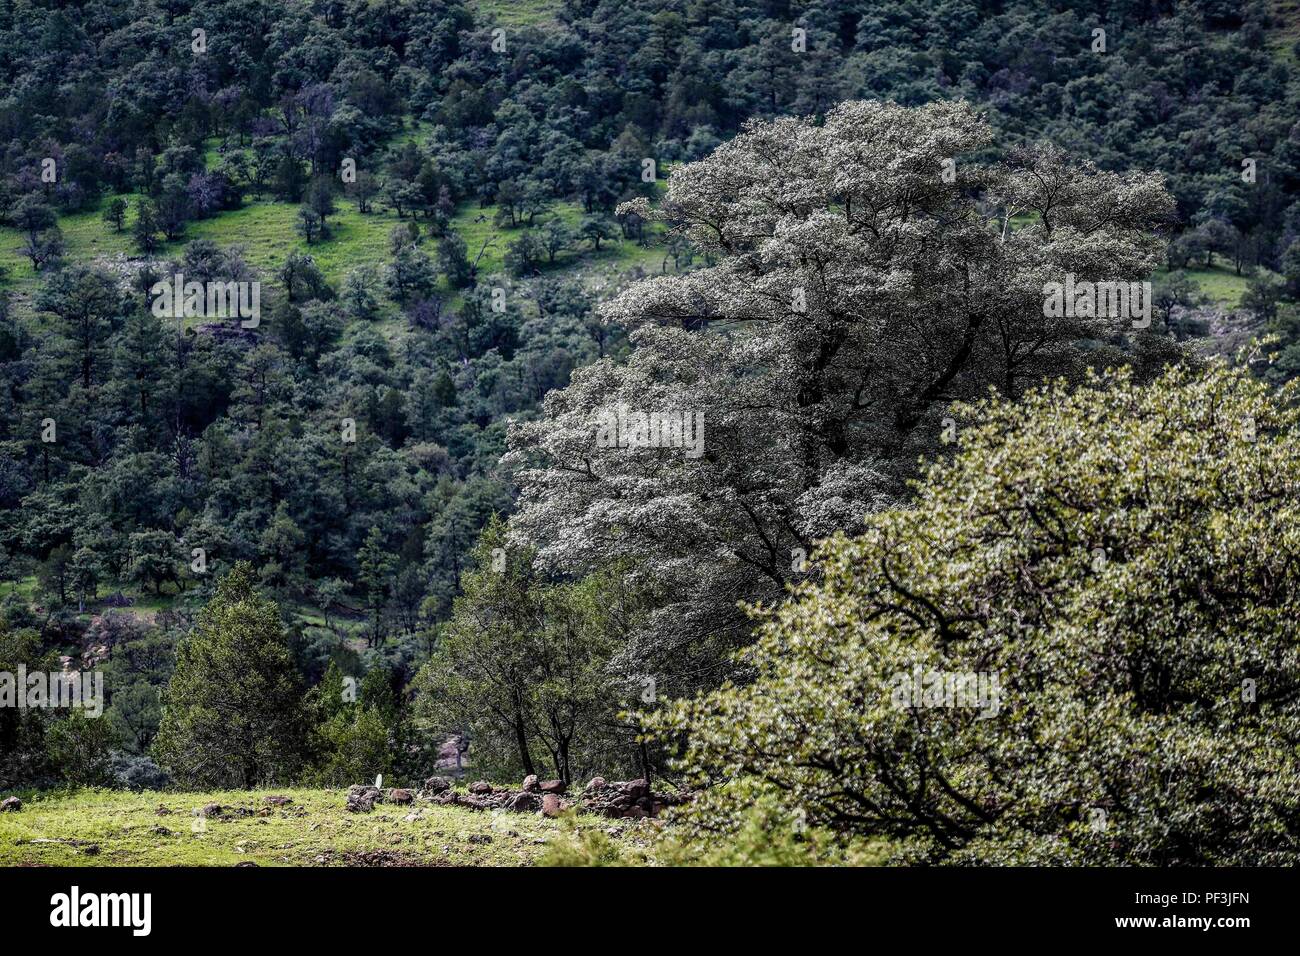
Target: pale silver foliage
<point x="855" y="294"/>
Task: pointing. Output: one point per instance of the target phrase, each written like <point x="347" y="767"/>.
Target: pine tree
<point x="233" y="713"/>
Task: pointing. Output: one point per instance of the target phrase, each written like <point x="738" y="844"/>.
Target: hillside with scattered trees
<point x="633" y="390"/>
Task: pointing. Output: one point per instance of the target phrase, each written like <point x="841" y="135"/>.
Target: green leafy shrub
<point x="1124" y="562"/>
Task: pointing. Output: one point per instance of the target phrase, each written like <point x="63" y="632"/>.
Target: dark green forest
<point x="372" y="524"/>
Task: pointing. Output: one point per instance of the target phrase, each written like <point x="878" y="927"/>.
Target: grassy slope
<point x="516" y="13"/>
<point x="113" y="828"/>
<point x="1219" y="284"/>
<point x="266" y="230"/>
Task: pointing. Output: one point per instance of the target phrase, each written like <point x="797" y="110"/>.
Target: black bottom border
<point x="335" y="905"/>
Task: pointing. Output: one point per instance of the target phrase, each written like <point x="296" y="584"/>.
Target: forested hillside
<point x="368" y="517"/>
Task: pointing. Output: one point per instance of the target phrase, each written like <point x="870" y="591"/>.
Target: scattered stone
<point x="479" y="838"/>
<point x="162" y="812"/>
<point x="10" y="805"/>
<point x="277" y="800"/>
<point x="525" y="802"/>
<point x="210" y="810"/>
<point x="362" y="798"/>
<point x="91" y="849"/>
<point x="631" y="798"/>
<point x="161" y="831"/>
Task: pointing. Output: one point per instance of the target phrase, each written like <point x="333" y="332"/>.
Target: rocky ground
<point x="628" y="799"/>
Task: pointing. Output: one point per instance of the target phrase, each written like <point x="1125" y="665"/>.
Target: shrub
<point x="1123" y="560"/>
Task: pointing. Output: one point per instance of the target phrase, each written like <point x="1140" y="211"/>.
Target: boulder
<point x="362" y="798"/>
<point x="552" y="786"/>
<point x="10" y="805"/>
<point x="210" y="810"/>
<point x="596" y="783"/>
<point x="398" y="795"/>
<point x="437" y="784"/>
<point x="524" y="802"/>
<point x="550" y="805"/>
<point x="480" y="786"/>
<point x="530" y="783"/>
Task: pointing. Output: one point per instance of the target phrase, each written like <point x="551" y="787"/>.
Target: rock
<point x="91" y="849"/>
<point x="277" y="800"/>
<point x="412" y="816"/>
<point x="398" y="795"/>
<point x="553" y="786"/>
<point x="530" y="783"/>
<point x="10" y="805"/>
<point x="479" y="838"/>
<point x="635" y="813"/>
<point x="524" y="802"/>
<point x="437" y="784"/>
<point x="362" y="798"/>
<point x="596" y="783"/>
<point x="480" y="786"/>
<point x="210" y="810"/>
<point x="550" y="805"/>
<point x="162" y="812"/>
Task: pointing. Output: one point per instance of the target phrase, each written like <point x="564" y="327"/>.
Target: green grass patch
<point x="1219" y="284"/>
<point x="118" y="828"/>
<point x="516" y="13"/>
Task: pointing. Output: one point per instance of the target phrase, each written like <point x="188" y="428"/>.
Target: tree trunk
<point x="521" y="738"/>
